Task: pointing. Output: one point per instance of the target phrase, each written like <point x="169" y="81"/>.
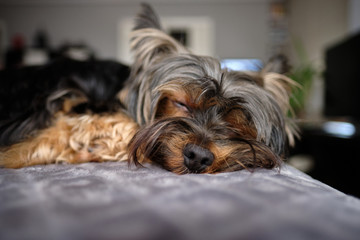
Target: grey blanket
<point x="111" y="201"/>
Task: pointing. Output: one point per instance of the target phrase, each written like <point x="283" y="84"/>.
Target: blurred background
<point x="320" y="38"/>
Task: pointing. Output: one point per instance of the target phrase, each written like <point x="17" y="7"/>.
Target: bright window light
<point x="340" y="129"/>
<point x="242" y="64"/>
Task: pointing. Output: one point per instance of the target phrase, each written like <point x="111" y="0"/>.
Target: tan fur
<point x="281" y="86"/>
<point x="74" y="139"/>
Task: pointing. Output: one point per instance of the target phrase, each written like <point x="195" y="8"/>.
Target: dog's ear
<point x="277" y="83"/>
<point x="149" y="43"/>
<point x="280" y="87"/>
<point x="277" y="64"/>
<point x="147" y="18"/>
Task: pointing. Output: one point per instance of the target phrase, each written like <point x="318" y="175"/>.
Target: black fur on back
<point x="30" y="96"/>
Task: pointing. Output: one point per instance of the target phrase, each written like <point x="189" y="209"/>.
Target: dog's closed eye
<point x="182" y="106"/>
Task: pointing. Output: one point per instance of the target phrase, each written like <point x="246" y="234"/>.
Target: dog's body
<point x="65" y="111"/>
<point x="74" y="139"/>
<point x="30" y="97"/>
<point x="195" y="117"/>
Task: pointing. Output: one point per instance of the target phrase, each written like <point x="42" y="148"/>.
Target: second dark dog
<point x="31" y="96"/>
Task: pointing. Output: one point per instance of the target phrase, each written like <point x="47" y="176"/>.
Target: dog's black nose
<point x="197" y="158"/>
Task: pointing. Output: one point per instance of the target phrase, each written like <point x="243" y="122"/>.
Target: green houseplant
<point x="303" y="73"/>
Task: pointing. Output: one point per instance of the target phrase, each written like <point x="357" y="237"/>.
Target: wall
<point x="316" y="24"/>
<point x="240" y="26"/>
<point x="354" y="16"/>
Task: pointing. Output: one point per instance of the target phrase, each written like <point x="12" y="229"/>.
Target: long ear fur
<point x="281" y="86"/>
<point x="149" y="42"/>
<point x="147" y="18"/>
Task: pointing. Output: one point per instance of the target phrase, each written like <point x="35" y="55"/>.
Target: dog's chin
<point x="181" y="146"/>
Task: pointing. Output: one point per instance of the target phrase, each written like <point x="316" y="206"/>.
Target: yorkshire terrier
<point x="65" y="111"/>
<point x="196" y="117"/>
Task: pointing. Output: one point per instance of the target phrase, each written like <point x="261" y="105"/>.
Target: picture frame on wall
<point x="196" y="33"/>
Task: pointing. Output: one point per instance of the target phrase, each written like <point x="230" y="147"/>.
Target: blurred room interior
<point x="320" y="37"/>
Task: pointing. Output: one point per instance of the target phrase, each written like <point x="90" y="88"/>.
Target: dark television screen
<point x="342" y="79"/>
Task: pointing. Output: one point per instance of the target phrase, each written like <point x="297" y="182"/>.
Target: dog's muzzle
<point x="197" y="158"/>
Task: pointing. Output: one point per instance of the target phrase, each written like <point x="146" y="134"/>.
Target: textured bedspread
<point x="110" y="201"/>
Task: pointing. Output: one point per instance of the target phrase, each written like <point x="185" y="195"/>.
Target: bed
<point x="114" y="201"/>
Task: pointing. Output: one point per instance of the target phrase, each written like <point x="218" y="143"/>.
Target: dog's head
<point x="198" y="117"/>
